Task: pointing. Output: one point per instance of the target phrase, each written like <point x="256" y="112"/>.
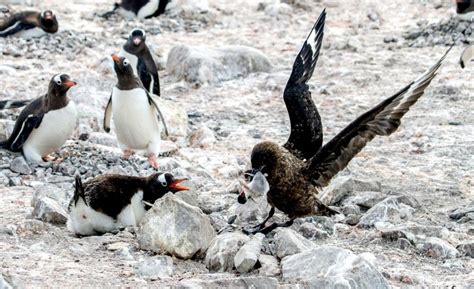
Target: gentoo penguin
<point x="293" y="174"/>
<point x="139" y="8"/>
<point x="6" y="104"/>
<point x="29" y="24"/>
<point x="136" y="114"/>
<point x="111" y="202"/>
<point x="45" y="123"/>
<point x="467" y="56"/>
<point x="137" y="52"/>
<point x="465" y="9"/>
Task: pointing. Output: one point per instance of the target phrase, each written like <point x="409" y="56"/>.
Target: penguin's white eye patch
<point x="125" y="62"/>
<point x="57" y="79"/>
<point x="162" y="180"/>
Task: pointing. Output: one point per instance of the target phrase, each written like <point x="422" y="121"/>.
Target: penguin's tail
<point x="4" y="144"/>
<point x="6" y="104"/>
<point x="78" y="190"/>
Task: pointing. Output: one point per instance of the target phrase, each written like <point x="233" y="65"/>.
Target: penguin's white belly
<point x="55" y="128"/>
<point x="31" y="33"/>
<point x="148" y="9"/>
<point x="132" y="58"/>
<point x="136" y="122"/>
<point x="83" y="220"/>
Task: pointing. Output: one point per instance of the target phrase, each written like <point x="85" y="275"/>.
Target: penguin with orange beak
<point x="136" y="115"/>
<point x="109" y="203"/>
<point x="45" y="124"/>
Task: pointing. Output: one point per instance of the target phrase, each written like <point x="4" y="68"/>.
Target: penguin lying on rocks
<point x="138" y="8"/>
<point x="29" y="24"/>
<point x="109" y="203"/>
<point x="136" y="114"/>
<point x="7" y="104"/>
<point x="292" y="175"/>
<point x="137" y="52"/>
<point x="45" y="124"/>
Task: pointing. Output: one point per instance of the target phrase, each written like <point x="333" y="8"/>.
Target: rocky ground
<point x="407" y="199"/>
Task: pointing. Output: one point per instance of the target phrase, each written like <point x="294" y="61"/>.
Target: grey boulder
<point x="247" y="256"/>
<point x="221" y="252"/>
<point x="393" y="209"/>
<point x="331" y="267"/>
<point x="48" y="210"/>
<point x="231" y="282"/>
<point x="199" y="65"/>
<point x="174" y="227"/>
<point x="154" y="268"/>
<point x="437" y="248"/>
<point x="289" y="242"/>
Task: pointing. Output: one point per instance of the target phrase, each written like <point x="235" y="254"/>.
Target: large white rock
<point x="221" y="252"/>
<point x="174" y="227"/>
<point x="247" y="256"/>
<point x="344" y="186"/>
<point x="199" y="65"/>
<point x="437" y="248"/>
<point x="331" y="267"/>
<point x="289" y="242"/>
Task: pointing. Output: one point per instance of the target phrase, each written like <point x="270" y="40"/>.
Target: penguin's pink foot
<point x="127" y="154"/>
<point x="153" y="161"/>
<point x="49" y="158"/>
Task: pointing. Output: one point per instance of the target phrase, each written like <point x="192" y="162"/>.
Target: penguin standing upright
<point x="139" y="8"/>
<point x="111" y="202"/>
<point x="137" y="52"/>
<point x="135" y="112"/>
<point x="45" y="124"/>
<point x="29" y="24"/>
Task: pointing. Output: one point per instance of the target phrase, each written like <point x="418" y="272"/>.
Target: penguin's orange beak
<point x="115" y="58"/>
<point x="177" y="186"/>
<point x="70" y="83"/>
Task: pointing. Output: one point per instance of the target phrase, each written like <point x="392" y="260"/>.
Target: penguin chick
<point x="136" y="114"/>
<point x="137" y="52"/>
<point x="29" y="24"/>
<point x="45" y="124"/>
<point x="111" y="202"/>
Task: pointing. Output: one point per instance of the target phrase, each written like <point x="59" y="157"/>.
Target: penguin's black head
<point x="48" y="21"/>
<point x="165" y="182"/>
<point x="60" y="84"/>
<point x="137" y="38"/>
<point x="122" y="66"/>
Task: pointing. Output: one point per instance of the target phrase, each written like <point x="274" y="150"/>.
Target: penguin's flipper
<point x="159" y="114"/>
<point x="15" y="28"/>
<point x="108" y="115"/>
<point x="155" y="85"/>
<point x="78" y="190"/>
<point x="29" y="123"/>
<point x="306" y="135"/>
<point x="6" y="104"/>
<point x="466" y="56"/>
<point x="383" y="120"/>
<point x="145" y="77"/>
